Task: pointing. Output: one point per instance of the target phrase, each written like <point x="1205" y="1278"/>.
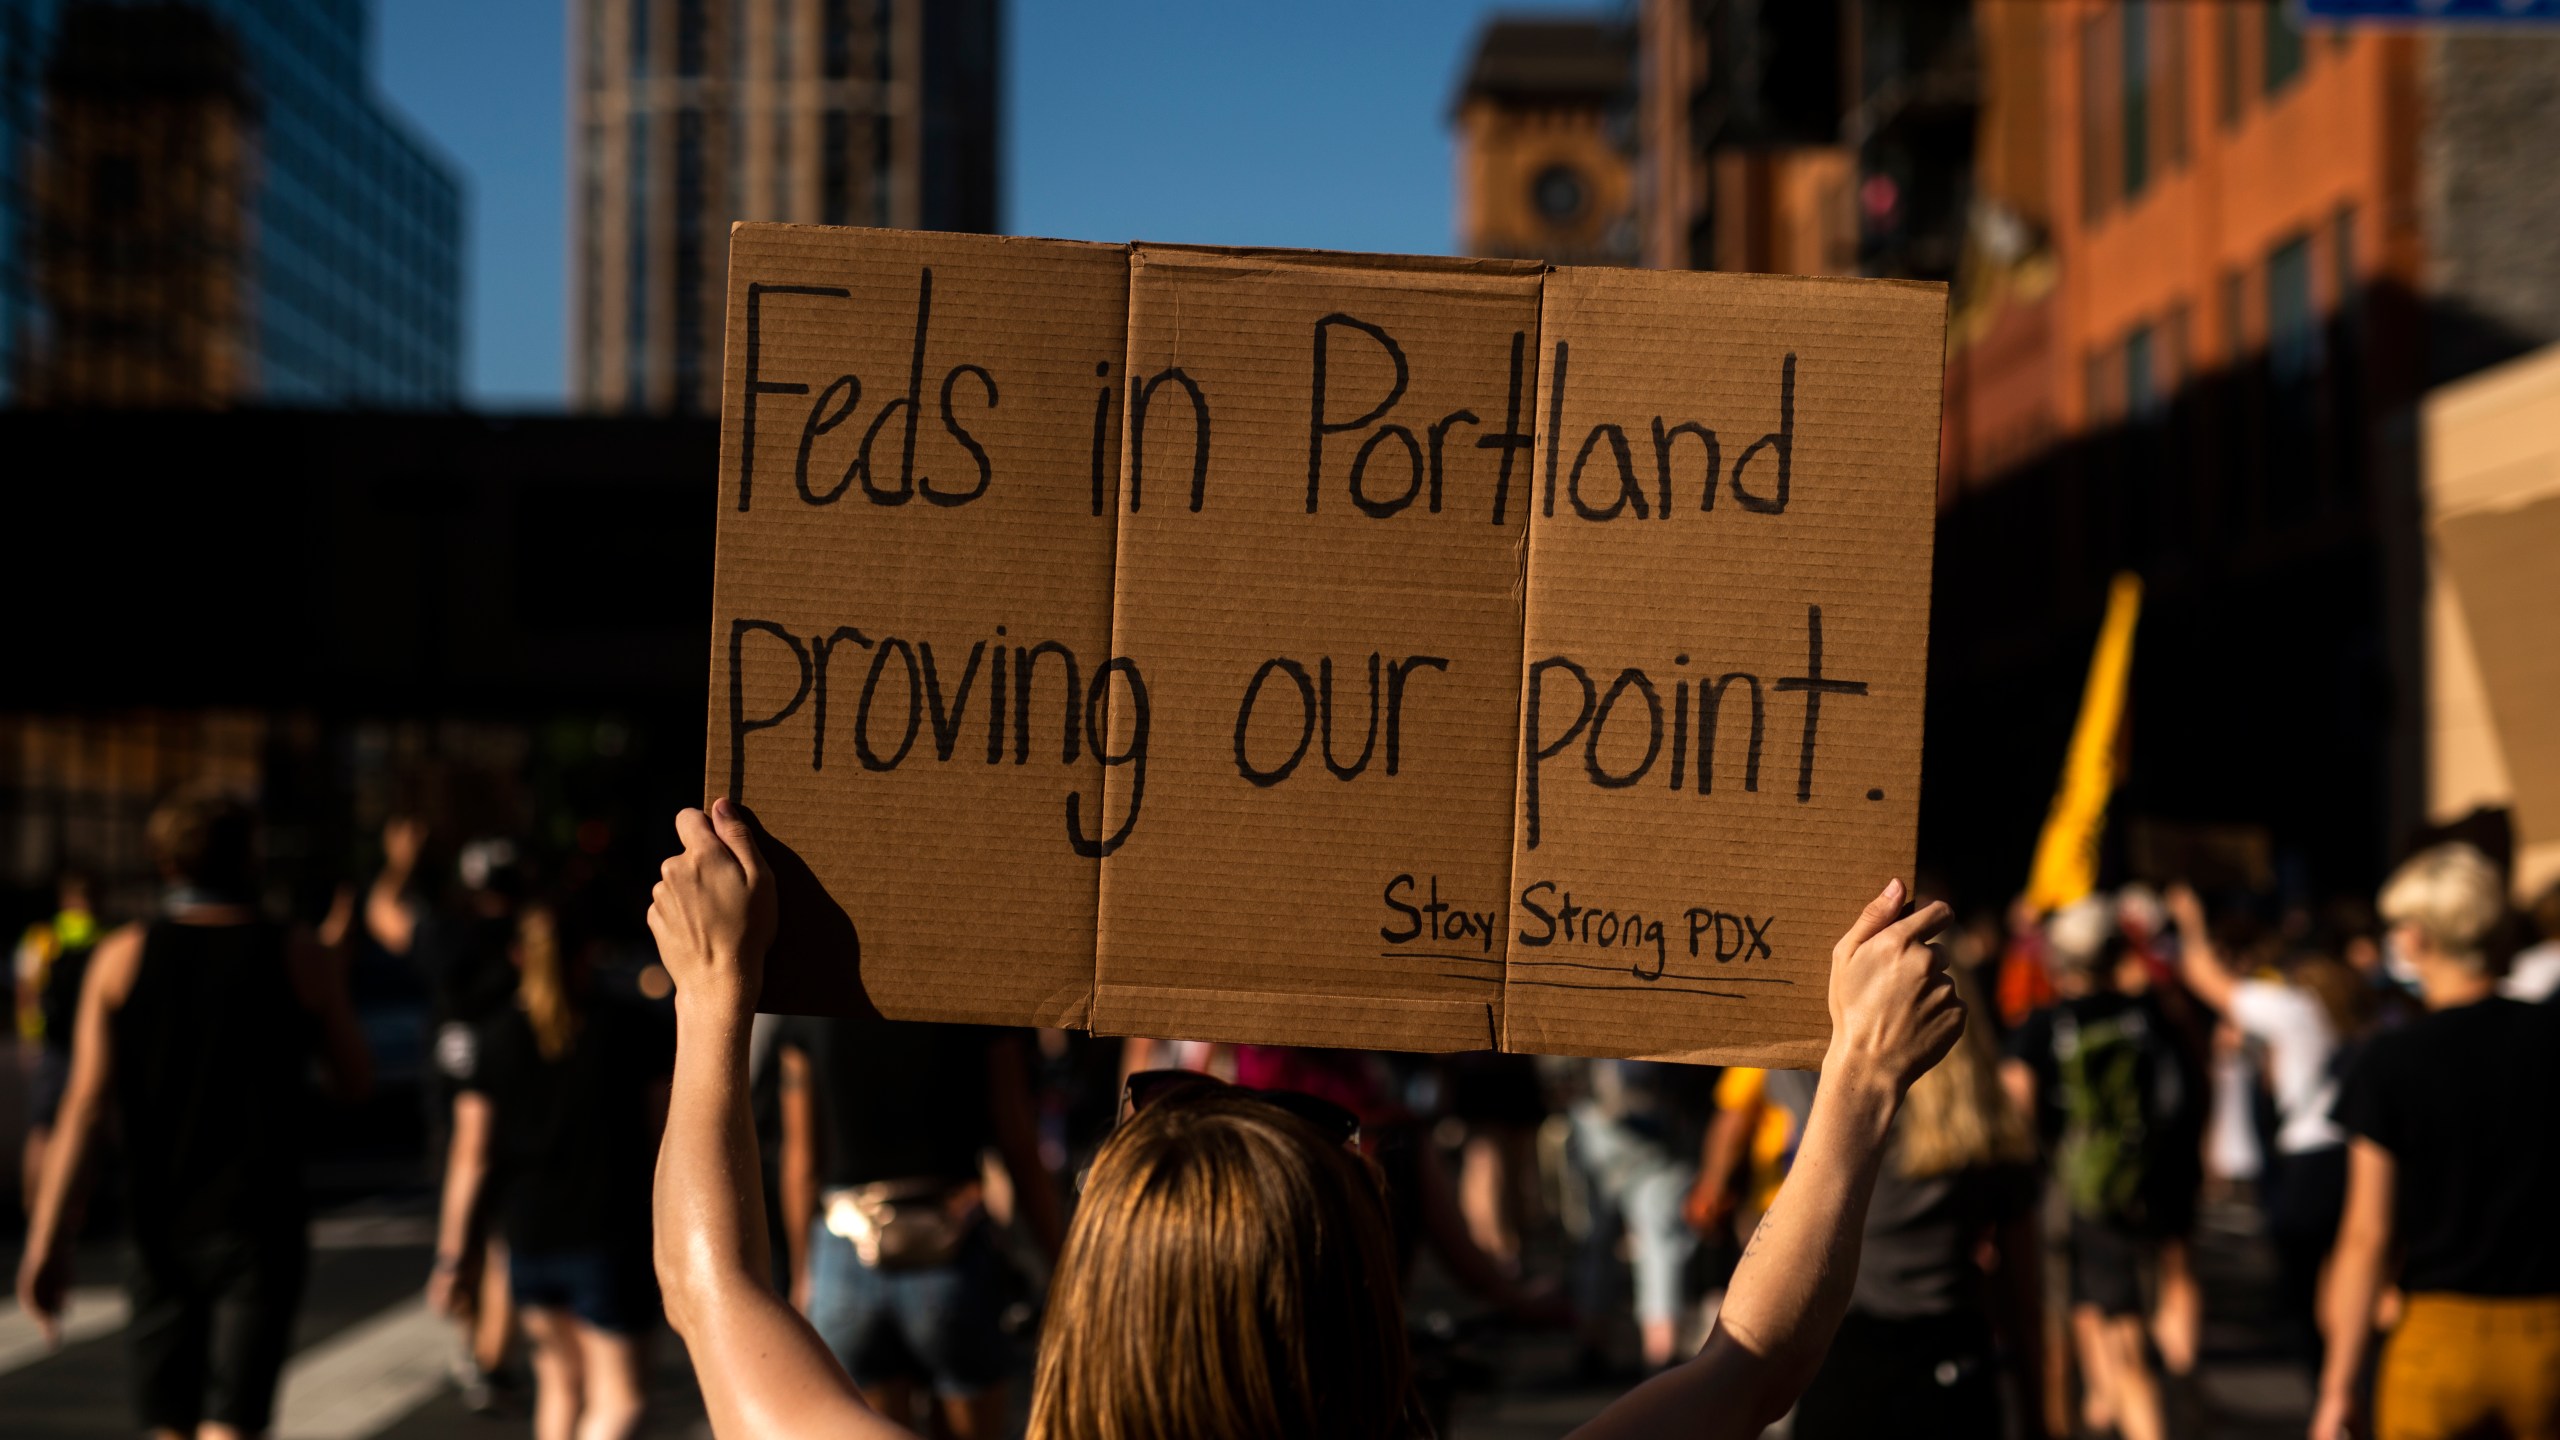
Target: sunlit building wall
<point x="687" y="115"/>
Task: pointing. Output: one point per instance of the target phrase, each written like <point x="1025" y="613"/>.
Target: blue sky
<point x="1315" y="122"/>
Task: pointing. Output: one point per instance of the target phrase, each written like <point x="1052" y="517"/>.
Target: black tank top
<point x="212" y="1053"/>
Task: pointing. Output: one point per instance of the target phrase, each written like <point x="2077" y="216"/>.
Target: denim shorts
<point x="613" y="1291"/>
<point x="937" y="1325"/>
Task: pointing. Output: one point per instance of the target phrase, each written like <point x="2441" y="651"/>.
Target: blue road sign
<point x="2432" y="12"/>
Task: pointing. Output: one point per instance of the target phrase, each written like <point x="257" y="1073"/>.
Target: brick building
<point x="1544" y="155"/>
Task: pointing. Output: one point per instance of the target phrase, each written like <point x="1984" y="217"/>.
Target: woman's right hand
<point x="713" y="911"/>
<point x="1894" y="1011"/>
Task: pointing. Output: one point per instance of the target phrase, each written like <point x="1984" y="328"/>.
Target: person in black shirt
<point x="559" y="1121"/>
<point x="462" y="953"/>
<point x="2452" y="1164"/>
<point x="883" y="1124"/>
<point x="199" y="1029"/>
<point x="1916" y="1355"/>
<point x="2118" y="1103"/>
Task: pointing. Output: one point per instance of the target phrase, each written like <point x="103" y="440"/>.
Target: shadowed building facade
<point x="205" y="203"/>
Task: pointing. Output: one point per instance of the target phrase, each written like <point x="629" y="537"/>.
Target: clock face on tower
<point x="1559" y="193"/>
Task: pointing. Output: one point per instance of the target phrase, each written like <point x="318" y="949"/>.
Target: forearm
<point x="2346" y="1321"/>
<point x="65" y="1157"/>
<point x="463" y="1176"/>
<point x="710" y="1187"/>
<point x="799" y="1208"/>
<point x="1792" y="1286"/>
<point x="1788" y="1294"/>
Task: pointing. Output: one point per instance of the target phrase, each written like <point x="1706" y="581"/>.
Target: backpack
<point x="2114" y="1113"/>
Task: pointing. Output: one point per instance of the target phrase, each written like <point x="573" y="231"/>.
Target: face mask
<point x="2402" y="970"/>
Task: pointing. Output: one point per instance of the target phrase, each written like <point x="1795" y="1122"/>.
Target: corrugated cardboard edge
<point x="1290" y="1017"/>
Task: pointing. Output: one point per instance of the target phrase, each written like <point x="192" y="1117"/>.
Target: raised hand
<point x="713" y="910"/>
<point x="1894" y="1011"/>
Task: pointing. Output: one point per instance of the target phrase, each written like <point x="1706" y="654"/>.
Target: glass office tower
<point x="207" y="202"/>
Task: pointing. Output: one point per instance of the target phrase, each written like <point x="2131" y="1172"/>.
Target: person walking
<point x="2304" y="1024"/>
<point x="893" y="1258"/>
<point x="2119" y="1105"/>
<point x="2451" y="1167"/>
<point x="558" y="1123"/>
<point x="1230" y="1269"/>
<point x="461" y="951"/>
<point x="196" y="1030"/>
<point x="1919" y="1355"/>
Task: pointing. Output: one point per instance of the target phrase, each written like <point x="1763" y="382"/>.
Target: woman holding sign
<point x="1228" y="1271"/>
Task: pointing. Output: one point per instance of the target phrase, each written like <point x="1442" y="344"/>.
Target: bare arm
<point x="44" y="1270"/>
<point x="386" y="914"/>
<point x="320" y="982"/>
<point x="799" y="1167"/>
<point x="762" y="1369"/>
<point x="1017" y="1132"/>
<point x="1894" y="1013"/>
<point x="2199" y="963"/>
<point x="466" y="1167"/>
<point x="2355" y="1280"/>
<point x="1720" y="1158"/>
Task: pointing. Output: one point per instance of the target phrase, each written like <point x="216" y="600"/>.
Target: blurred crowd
<point x="2373" y="1080"/>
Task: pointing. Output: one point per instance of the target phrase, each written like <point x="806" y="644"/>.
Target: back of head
<point x="204" y="836"/>
<point x="1229" y="1277"/>
<point x="2079" y="936"/>
<point x="2454" y="897"/>
<point x="1957" y="1117"/>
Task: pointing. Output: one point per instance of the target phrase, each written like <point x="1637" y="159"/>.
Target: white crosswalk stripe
<point x="361" y="1381"/>
<point x="92" y="1311"/>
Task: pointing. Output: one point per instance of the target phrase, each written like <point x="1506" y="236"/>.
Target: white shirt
<point x="2535" y="975"/>
<point x="2300" y="1046"/>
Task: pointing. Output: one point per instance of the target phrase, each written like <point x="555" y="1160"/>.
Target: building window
<point x="2093" y="121"/>
<point x="693" y="38"/>
<point x="2134" y="84"/>
<point x="2293" y="329"/>
<point x="1559" y="194"/>
<point x="2228" y="65"/>
<point x="2142" y="401"/>
<point x="2280" y="47"/>
<point x="2235" y="316"/>
<point x="2171" y="21"/>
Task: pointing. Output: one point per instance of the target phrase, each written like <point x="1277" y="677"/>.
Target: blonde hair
<point x="542" y="982"/>
<point x="2455" y="897"/>
<point x="1957" y="1117"/>
<point x="1230" y="1276"/>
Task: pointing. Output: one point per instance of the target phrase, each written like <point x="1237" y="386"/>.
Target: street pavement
<point x="370" y="1362"/>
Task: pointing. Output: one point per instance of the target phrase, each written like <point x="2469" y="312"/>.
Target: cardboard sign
<point x="1301" y="648"/>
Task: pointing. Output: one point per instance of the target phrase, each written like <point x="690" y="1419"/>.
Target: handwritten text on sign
<point x="1310" y="587"/>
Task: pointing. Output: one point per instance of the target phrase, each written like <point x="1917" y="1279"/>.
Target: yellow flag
<point x="2066" y="867"/>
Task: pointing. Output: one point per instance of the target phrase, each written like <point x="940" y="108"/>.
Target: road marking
<point x="365" y="1378"/>
<point x="94" y="1310"/>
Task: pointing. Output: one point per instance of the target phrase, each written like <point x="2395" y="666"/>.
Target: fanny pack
<point x="906" y="1224"/>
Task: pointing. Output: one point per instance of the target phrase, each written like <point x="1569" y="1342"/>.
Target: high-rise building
<point x="1544" y="154"/>
<point x="690" y="114"/>
<point x="1740" y="161"/>
<point x="206" y="202"/>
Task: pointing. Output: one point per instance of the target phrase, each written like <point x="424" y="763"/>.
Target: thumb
<point x="1880" y="912"/>
<point x="736" y="829"/>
